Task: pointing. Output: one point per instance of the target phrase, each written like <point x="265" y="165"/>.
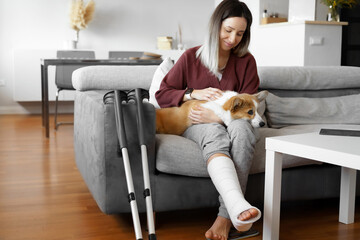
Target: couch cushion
<point x="290" y="111"/>
<point x="309" y="77"/>
<point x="113" y="77"/>
<point x="159" y="74"/>
<point x="292" y="78"/>
<point x="178" y="155"/>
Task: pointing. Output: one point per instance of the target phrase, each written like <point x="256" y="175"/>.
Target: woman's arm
<point x="174" y="84"/>
<point x="247" y="74"/>
<point x="208" y="94"/>
<point x="187" y="72"/>
<point x="250" y="76"/>
<point x="200" y="114"/>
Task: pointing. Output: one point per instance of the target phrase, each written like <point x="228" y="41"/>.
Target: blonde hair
<point x="209" y="51"/>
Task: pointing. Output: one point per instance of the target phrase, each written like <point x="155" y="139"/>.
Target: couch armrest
<point x="113" y="77"/>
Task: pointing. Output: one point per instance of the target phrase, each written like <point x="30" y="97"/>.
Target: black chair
<point x="63" y="75"/>
<point x="125" y="55"/>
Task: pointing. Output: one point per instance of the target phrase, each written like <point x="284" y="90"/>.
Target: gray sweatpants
<point x="236" y="141"/>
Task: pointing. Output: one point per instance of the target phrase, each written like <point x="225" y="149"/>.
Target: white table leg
<point x="273" y="171"/>
<point x="347" y="195"/>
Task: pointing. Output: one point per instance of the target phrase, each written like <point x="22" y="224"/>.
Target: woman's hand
<point x="199" y="114"/>
<point x="208" y="94"/>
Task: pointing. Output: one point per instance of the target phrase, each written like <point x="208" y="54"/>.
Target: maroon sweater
<point x="240" y="75"/>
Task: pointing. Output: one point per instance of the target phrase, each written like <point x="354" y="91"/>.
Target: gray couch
<point x="302" y="99"/>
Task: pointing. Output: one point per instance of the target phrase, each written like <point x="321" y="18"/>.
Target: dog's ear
<point x="234" y="104"/>
<point x="261" y="95"/>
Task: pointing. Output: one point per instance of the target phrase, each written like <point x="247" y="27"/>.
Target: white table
<point x="337" y="150"/>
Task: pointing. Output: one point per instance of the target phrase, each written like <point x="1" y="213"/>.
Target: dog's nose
<point x="261" y="124"/>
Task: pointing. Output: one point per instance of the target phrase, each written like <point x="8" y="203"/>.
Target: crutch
<point x="120" y="128"/>
<point x="140" y="95"/>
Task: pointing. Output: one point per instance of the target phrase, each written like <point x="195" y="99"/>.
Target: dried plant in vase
<point x="180" y="44"/>
<point x="81" y="15"/>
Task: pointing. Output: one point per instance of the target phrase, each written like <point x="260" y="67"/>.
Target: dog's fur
<point x="231" y="105"/>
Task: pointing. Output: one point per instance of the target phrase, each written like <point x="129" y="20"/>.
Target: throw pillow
<point x="160" y="73"/>
<point x="290" y="111"/>
<point x="261" y="110"/>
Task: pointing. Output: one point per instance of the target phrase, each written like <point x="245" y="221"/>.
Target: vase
<point x="76" y="39"/>
<point x="333" y="14"/>
<point x="69" y="45"/>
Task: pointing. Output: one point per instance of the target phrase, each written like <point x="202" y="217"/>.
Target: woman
<point x="221" y="63"/>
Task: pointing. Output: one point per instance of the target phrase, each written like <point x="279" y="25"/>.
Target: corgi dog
<point x="230" y="106"/>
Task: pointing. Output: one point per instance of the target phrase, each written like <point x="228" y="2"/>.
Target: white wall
<point x="271" y="49"/>
<point x="301" y="10"/>
<point x="279" y="7"/>
<point x="307" y="10"/>
<point x="321" y="11"/>
<point x="117" y="25"/>
<point x="324" y="38"/>
<point x="126" y="25"/>
<point x="288" y="44"/>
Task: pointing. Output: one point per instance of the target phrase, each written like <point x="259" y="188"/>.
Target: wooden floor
<point x="42" y="196"/>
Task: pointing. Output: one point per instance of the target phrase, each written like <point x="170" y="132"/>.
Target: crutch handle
<point x="119" y="97"/>
<point x="140" y="94"/>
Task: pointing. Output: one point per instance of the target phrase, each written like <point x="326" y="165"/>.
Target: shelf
<point x="270" y="20"/>
<point x="327" y="23"/>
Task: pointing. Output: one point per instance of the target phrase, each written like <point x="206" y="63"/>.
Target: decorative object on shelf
<point x="333" y="14"/>
<point x="265" y="14"/>
<point x="164" y="43"/>
<point x="147" y="56"/>
<point x="335" y="7"/>
<point x="180" y="44"/>
<point x="150" y="56"/>
<point x="80" y="16"/>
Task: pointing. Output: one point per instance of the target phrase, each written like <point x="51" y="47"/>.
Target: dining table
<point x="45" y="63"/>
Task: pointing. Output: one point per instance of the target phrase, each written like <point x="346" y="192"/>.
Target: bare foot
<point x="248" y="214"/>
<point x="244" y="216"/>
<point x="219" y="230"/>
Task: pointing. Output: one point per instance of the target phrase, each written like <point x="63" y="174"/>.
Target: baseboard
<point x="13" y="110"/>
<point x="35" y="108"/>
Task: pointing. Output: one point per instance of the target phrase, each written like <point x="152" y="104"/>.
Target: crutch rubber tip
<point x="152" y="237"/>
